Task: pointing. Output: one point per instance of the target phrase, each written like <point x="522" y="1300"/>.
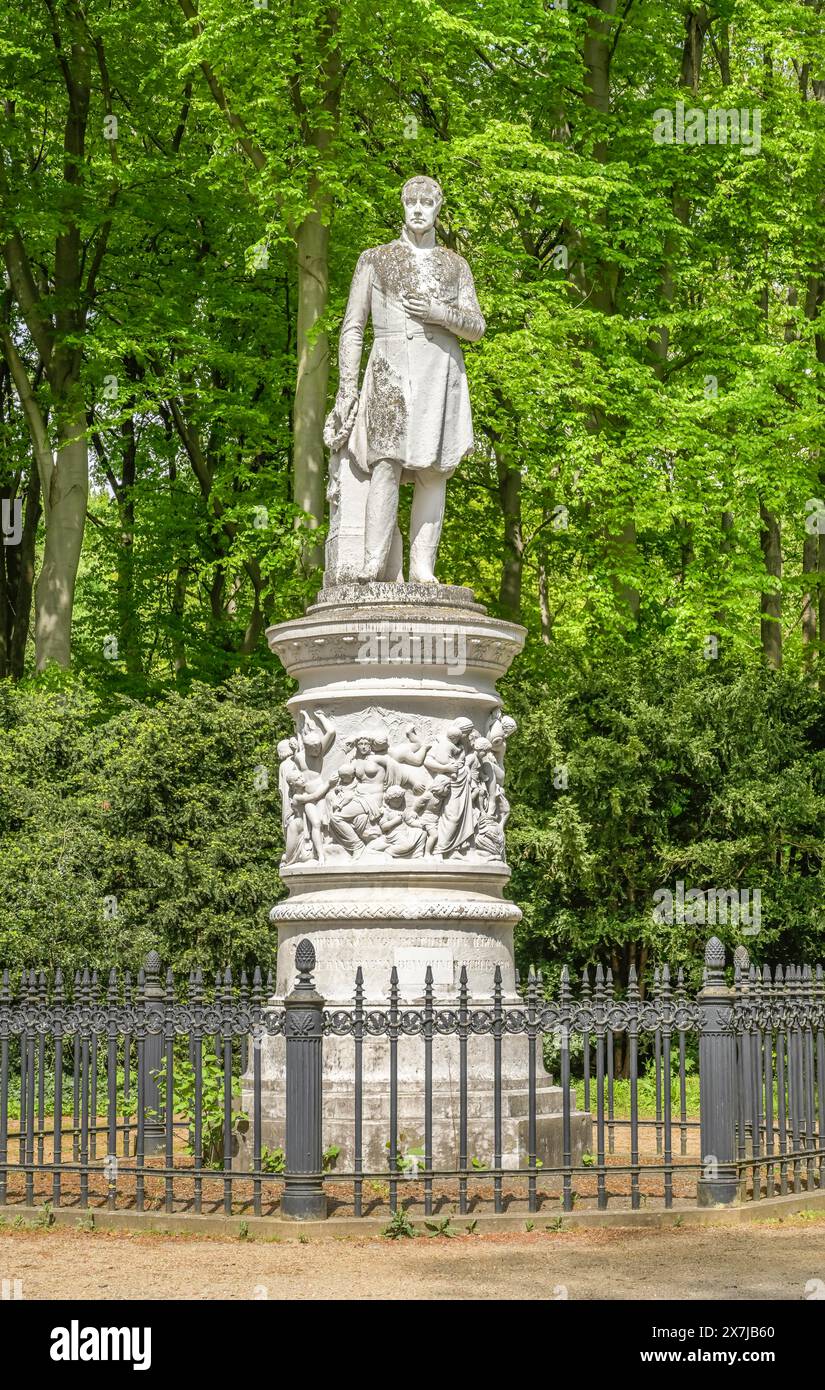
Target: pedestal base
<point x="395" y="812"/>
<point x="339" y="1104"/>
<point x="339" y="1128"/>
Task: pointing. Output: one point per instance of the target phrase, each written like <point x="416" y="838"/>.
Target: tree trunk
<point x="771" y="602"/>
<point x="810" y="566"/>
<point x="178" y="607"/>
<point x="621" y="550"/>
<point x="312" y="246"/>
<point x="128" y="618"/>
<point x="697" y="23"/>
<point x="545" y="615"/>
<point x="6" y="616"/>
<point x="512" y="565"/>
<point x="725" y="548"/>
<point x="68" y="497"/>
<point x="312" y="380"/>
<point x="821" y="625"/>
<point x="815" y="310"/>
<point x="58" y="342"/>
<point x="602" y="288"/>
<point x="21" y="593"/>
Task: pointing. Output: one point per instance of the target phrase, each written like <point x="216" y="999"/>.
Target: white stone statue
<point x="411" y="421"/>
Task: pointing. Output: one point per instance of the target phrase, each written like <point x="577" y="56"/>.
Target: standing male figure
<point x="411" y="421"/>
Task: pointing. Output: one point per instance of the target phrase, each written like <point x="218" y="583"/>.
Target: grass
<point x="646" y="1095"/>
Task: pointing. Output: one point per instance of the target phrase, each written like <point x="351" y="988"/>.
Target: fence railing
<point x="150" y="1095"/>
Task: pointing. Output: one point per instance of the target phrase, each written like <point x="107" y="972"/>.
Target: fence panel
<point x="126" y="1094"/>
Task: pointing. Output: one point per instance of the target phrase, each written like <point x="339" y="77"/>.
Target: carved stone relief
<point x="388" y="790"/>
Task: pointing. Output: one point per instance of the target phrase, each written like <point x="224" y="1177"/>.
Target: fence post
<point x="154" y="1139"/>
<point x="718" y="1184"/>
<point x="304" y="1198"/>
<point x="742" y="985"/>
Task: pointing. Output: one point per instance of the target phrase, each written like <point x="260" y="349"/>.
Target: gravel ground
<point x="771" y="1261"/>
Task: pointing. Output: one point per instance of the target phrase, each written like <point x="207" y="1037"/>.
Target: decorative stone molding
<point x="437" y="909"/>
<point x="394" y="642"/>
<point x="396" y="595"/>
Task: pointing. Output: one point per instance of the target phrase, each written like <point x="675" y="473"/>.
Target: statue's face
<point x="459" y="732"/>
<point x="420" y="209"/>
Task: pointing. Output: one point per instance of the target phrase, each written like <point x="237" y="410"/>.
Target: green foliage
<point x="274" y="1160"/>
<point x="677" y="769"/>
<point x="399" y="1226"/>
<point x="407" y="1160"/>
<point x="682" y="265"/>
<point x="45" y="1218"/>
<point x="184" y="1103"/>
<point x="442" y="1228"/>
<point x="139" y="827"/>
<point x="330" y="1157"/>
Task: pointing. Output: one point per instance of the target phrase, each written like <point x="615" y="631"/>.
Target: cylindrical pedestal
<point x="394" y="816"/>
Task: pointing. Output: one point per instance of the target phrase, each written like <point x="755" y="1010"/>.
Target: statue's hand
<point x="339" y="422"/>
<point x="418" y="306"/>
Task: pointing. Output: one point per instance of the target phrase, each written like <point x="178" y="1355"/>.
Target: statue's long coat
<point x="414" y="405"/>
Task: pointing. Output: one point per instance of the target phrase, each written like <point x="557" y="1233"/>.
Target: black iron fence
<point x="148" y="1095"/>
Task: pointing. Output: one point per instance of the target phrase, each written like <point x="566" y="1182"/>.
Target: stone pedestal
<point x="347" y="494"/>
<point x="394" y="811"/>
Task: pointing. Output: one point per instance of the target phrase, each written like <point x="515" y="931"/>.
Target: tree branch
<point x="252" y="150"/>
<point x="35" y="419"/>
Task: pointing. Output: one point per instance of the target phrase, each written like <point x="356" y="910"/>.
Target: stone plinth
<point x="394" y="816"/>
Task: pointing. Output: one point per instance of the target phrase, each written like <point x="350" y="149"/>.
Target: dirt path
<point x="774" y="1261"/>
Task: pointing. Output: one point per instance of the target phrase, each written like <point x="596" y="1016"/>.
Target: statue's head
<point x="395" y="797"/>
<point x="380" y="742"/>
<point x="422" y="197"/>
<point x="459" y="731"/>
<point x="313" y="740"/>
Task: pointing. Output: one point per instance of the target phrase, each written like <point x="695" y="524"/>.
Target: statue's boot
<point x="394" y="570"/>
<point x="422" y="564"/>
<point x="426" y="519"/>
<point x="380" y="529"/>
